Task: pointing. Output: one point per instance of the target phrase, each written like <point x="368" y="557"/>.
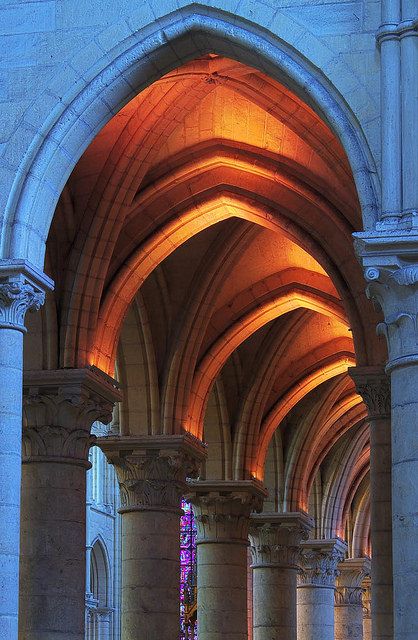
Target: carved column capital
<point x="392" y="279"/>
<point x="349" y="589"/>
<point x="22" y="289"/>
<point x="373" y="385"/>
<point x="367" y="598"/>
<point x="275" y="538"/>
<point x="59" y="408"/>
<point x="222" y="508"/>
<point x="152" y="470"/>
<point x="320" y="560"/>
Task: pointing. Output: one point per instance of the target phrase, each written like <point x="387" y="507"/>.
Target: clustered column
<point x="276" y="553"/>
<point x="373" y="385"/>
<point x="21" y="289"/>
<point x="349" y="598"/>
<point x="315" y="593"/>
<point x="59" y="410"/>
<point x="222" y="512"/>
<point x="152" y="472"/>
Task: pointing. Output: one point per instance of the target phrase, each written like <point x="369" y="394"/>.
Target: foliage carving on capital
<point x="56" y="443"/>
<point x="320" y="565"/>
<point x="352" y="572"/>
<point x="394" y="290"/>
<point x="374" y="387"/>
<point x="223" y="513"/>
<point x="153" y="478"/>
<point x="275" y="538"/>
<point x="16" y="298"/>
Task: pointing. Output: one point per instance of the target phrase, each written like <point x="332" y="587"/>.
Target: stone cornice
<point x="320" y="560"/>
<point x="22" y="289"/>
<point x="275" y="538"/>
<point x="152" y="470"/>
<point x="59" y="408"/>
<point x="222" y="508"/>
<point x="351" y="574"/>
<point x="373" y="385"/>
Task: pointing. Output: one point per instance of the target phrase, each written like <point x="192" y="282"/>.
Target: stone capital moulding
<point x="59" y="408"/>
<point x="390" y="262"/>
<point x="22" y="289"/>
<point x="222" y="508"/>
<point x="152" y="470"/>
<point x="275" y="538"/>
<point x="352" y="572"/>
<point x="373" y="385"/>
<point x="320" y="559"/>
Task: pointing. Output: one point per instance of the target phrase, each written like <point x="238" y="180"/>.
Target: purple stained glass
<point x="188" y="624"/>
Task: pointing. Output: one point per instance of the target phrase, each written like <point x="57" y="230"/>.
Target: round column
<point x="349" y="598"/>
<point x="18" y="294"/>
<point x="275" y="547"/>
<point x="393" y="285"/>
<point x="373" y="385"/>
<point x="59" y="409"/>
<point x="222" y="512"/>
<point x="151" y="471"/>
<point x="316" y="586"/>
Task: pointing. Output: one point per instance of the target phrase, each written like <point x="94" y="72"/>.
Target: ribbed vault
<point x="202" y="250"/>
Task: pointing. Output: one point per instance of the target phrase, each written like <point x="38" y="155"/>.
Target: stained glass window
<point x="188" y="601"/>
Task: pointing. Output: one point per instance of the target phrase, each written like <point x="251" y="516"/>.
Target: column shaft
<point x="21" y="289"/>
<point x="53" y="562"/>
<point x="275" y="546"/>
<point x="150" y="575"/>
<point x="315" y="593"/>
<point x="152" y="473"/>
<point x="349" y="598"/>
<point x="405" y="500"/>
<point x="59" y="409"/>
<point x="11" y="347"/>
<point x="222" y="513"/>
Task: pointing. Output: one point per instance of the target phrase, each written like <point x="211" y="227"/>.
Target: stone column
<point x="276" y="553"/>
<point x="349" y="598"/>
<point x="21" y="289"/>
<point x="316" y="586"/>
<point x="367" y="609"/>
<point x="374" y="387"/>
<point x="152" y="472"/>
<point x="393" y="286"/>
<point x="59" y="409"/>
<point x="222" y="512"/>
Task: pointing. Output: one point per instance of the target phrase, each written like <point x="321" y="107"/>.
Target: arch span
<point x="131" y="66"/>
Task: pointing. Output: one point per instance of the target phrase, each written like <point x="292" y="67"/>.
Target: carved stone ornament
<point x="59" y="408"/>
<point x="373" y="385"/>
<point x="152" y="470"/>
<point x="367" y="598"/>
<point x="391" y="271"/>
<point x="222" y="509"/>
<point x="320" y="561"/>
<point x="16" y="298"/>
<point x="275" y="539"/>
<point x="352" y="572"/>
